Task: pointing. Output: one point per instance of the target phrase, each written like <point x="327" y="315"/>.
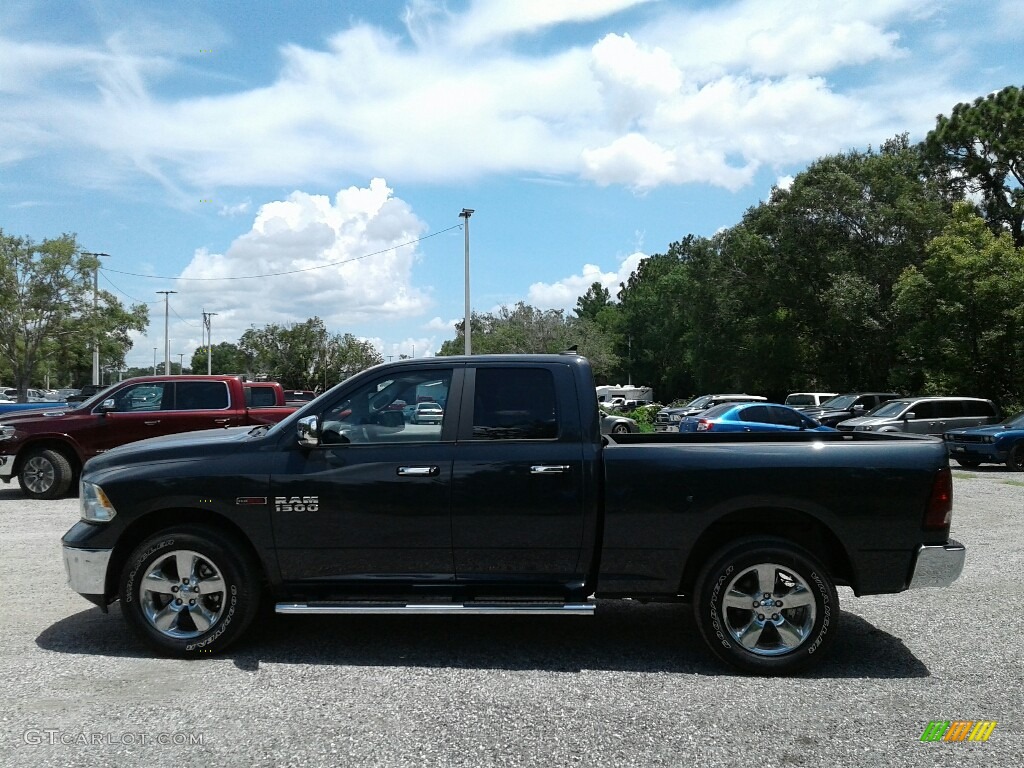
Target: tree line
<point x="897" y="268"/>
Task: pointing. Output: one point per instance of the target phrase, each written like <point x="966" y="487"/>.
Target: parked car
<point x="87" y="391"/>
<point x="64" y="394"/>
<point x="808" y="399"/>
<point x="32" y="395"/>
<point x="846" y="406"/>
<point x="298" y="396"/>
<point x="46" y="448"/>
<point x="614" y="424"/>
<point x="751" y="417"/>
<point x="667" y="419"/>
<point x="924" y="415"/>
<point x="427" y="413"/>
<point x="1001" y="443"/>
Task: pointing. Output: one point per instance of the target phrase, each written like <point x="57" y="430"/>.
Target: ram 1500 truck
<point x="513" y="504"/>
<point x="46" y="448"/>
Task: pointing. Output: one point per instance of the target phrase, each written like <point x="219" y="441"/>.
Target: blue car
<point x="1001" y="443"/>
<point x="751" y="417"/>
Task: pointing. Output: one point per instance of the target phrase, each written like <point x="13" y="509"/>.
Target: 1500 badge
<point x="296" y="503"/>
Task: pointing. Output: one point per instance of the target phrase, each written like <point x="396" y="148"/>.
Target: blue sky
<point x="204" y="142"/>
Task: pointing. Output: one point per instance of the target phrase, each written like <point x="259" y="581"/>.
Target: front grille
<point x="844" y="427"/>
<point x="966" y="438"/>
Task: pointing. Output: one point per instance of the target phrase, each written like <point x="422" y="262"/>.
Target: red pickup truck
<point x="45" y="449"/>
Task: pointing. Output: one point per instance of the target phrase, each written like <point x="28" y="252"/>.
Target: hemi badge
<point x="251" y="501"/>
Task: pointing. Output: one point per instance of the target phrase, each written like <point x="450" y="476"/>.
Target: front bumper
<point x="6" y="468"/>
<point x="938" y="565"/>
<point x="87" y="570"/>
<point x="987" y="453"/>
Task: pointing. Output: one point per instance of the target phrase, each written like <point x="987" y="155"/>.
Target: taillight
<point x="939" y="513"/>
<point x="703" y="425"/>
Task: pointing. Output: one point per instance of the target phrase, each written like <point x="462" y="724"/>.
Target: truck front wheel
<point x="766" y="606"/>
<point x="45" y="475"/>
<point x="189" y="592"/>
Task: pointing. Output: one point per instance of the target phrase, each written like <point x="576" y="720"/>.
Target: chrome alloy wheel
<point x="769" y="609"/>
<point x="183" y="594"/>
<point x="38" y="474"/>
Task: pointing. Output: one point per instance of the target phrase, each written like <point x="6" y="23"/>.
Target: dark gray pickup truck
<point x="513" y="504"/>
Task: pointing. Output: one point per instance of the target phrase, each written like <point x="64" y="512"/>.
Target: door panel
<point x="518" y="483"/>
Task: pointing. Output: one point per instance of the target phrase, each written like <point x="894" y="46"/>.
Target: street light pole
<point x="181" y="363"/>
<point x="154" y="360"/>
<point x="209" y="341"/>
<point x="466" y="213"/>
<point x="95" y="306"/>
<point x="167" y="341"/>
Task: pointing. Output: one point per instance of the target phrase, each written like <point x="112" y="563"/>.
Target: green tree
<point x="306" y="355"/>
<point x="962" y="312"/>
<point x="979" y="149"/>
<point x="590" y="304"/>
<point x="47" y="318"/>
<point x="524" y="329"/>
<point x="224" y="358"/>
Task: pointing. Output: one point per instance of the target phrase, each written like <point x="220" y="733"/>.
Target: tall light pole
<point x="209" y="341"/>
<point x="466" y="213"/>
<point x="95" y="306"/>
<point x="167" y="340"/>
<point x="181" y="363"/>
<point x="154" y="360"/>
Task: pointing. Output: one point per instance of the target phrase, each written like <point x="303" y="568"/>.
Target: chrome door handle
<point x="549" y="469"/>
<point x="151" y="423"/>
<point x="224" y="421"/>
<point x="418" y="471"/>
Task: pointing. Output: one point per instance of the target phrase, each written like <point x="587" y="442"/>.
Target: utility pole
<point x="466" y="213"/>
<point x="154" y="360"/>
<point x="209" y="341"/>
<point x="181" y="363"/>
<point x="95" y="306"/>
<point x="167" y="340"/>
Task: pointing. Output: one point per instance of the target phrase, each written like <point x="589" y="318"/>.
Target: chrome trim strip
<point x="492" y="609"/>
<point x="87" y="569"/>
<point x="938" y="565"/>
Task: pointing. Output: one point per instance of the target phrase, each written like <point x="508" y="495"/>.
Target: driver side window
<point x="409" y="406"/>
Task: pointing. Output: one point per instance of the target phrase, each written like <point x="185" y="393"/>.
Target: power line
<point x="292" y="271"/>
<point x="127" y="295"/>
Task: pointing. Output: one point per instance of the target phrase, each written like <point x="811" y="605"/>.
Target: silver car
<point x="924" y="415"/>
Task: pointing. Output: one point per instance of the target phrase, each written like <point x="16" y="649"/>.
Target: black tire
<point x="45" y="474"/>
<point x="204" y="615"/>
<point x="620" y="429"/>
<point x="969" y="463"/>
<point x="1015" y="460"/>
<point x="777" y="637"/>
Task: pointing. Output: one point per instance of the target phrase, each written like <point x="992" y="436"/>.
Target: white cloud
<point x="695" y="94"/>
<point x="784" y="182"/>
<point x="437" y="324"/>
<point x="361" y="233"/>
<point x="235" y="210"/>
<point x="563" y="293"/>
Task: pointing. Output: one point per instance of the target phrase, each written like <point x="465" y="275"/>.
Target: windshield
<point x="800" y="400"/>
<point x="839" y="402"/>
<point x="891" y="408"/>
<point x="1017" y="421"/>
<point x="699" y="402"/>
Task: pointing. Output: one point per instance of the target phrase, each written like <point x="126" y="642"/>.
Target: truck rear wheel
<point x="45" y="475"/>
<point x="766" y="606"/>
<point x="189" y="592"/>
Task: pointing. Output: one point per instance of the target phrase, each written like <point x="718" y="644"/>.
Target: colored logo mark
<point x="959" y="730"/>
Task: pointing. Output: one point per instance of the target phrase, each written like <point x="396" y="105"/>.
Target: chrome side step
<point x="491" y="609"/>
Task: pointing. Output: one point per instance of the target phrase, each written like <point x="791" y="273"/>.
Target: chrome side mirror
<point x="308" y="428"/>
<point x="108" y="405"/>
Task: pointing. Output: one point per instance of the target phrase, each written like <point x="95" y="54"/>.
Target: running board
<point x="492" y="609"/>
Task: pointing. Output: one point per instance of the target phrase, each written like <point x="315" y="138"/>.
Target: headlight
<point x="674" y="417"/>
<point x="6" y="432"/>
<point x="94" y="504"/>
<point x="987" y="439"/>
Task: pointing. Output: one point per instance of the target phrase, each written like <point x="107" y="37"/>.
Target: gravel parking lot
<point x="632" y="686"/>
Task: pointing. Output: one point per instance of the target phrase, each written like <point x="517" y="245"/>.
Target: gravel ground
<point x="631" y="686"/>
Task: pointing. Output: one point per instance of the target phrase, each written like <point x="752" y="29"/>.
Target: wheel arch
<point x="62" y="446"/>
<point x="800" y="528"/>
<point x="159" y="520"/>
